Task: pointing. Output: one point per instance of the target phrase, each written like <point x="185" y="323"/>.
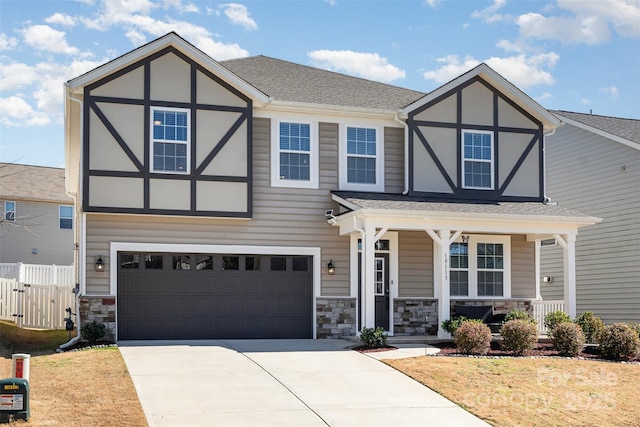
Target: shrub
<point x="519" y="336"/>
<point x="592" y="327"/>
<point x="93" y="331"/>
<point x="450" y="325"/>
<point x="373" y="337"/>
<point x="619" y="341"/>
<point x="554" y="318"/>
<point x="473" y="337"/>
<point x="520" y="315"/>
<point x="635" y="326"/>
<point x="568" y="339"/>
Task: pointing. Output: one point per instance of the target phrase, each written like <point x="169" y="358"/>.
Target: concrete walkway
<point x="281" y="383"/>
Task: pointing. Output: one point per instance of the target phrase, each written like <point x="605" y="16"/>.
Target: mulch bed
<point x="370" y="349"/>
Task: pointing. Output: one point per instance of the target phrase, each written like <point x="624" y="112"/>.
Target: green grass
<point x="19" y="340"/>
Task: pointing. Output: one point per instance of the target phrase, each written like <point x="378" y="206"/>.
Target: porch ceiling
<point x="396" y="211"/>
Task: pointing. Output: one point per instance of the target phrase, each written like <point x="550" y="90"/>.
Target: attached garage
<point x="214" y="296"/>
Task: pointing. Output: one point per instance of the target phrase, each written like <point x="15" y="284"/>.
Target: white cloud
<point x="611" y="91"/>
<point x="545" y="96"/>
<point x="7" y="43"/>
<point x="181" y="8"/>
<point x="136" y="38"/>
<point x="489" y="14"/>
<point x="585" y="101"/>
<point x="589" y="22"/>
<point x="367" y="65"/>
<point x="15" y="111"/>
<point x="521" y="70"/>
<point x="238" y="14"/>
<point x="16" y="75"/>
<point x="433" y="4"/>
<point x="61" y="19"/>
<point x="43" y="37"/>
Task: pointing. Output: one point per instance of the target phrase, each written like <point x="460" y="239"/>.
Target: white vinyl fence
<point x="36" y="296"/>
<point x="542" y="308"/>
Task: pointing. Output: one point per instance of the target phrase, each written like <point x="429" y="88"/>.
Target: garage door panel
<point x="200" y="304"/>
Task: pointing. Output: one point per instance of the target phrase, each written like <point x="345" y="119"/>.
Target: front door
<point x="381" y="276"/>
<point x="381" y="290"/>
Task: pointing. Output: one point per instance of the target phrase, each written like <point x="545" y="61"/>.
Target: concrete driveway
<point x="278" y="383"/>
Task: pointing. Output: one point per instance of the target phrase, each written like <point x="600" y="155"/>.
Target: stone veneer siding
<point x="102" y="310"/>
<point x="415" y="316"/>
<point x="335" y="317"/>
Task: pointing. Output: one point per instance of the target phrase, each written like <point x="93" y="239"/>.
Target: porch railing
<point x="542" y="308"/>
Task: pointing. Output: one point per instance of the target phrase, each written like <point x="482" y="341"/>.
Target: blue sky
<point x="575" y="55"/>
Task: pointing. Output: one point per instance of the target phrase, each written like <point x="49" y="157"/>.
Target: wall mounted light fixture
<point x="99" y="264"/>
<point x="331" y="269"/>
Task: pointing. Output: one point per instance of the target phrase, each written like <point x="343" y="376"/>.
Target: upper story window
<point x="294" y="154"/>
<point x="66" y="217"/>
<point x="477" y="159"/>
<point x="170" y="130"/>
<point x="480" y="267"/>
<point x="361" y="158"/>
<point x="10" y="211"/>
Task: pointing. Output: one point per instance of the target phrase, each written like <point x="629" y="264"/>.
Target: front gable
<point x="165" y="135"/>
<point x="473" y="142"/>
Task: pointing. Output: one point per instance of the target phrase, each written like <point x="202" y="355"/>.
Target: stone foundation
<point x="335" y="317"/>
<point x="500" y="306"/>
<point x="415" y="317"/>
<point x="102" y="310"/>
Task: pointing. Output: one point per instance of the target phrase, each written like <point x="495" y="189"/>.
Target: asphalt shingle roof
<point x="380" y="201"/>
<point x="624" y="128"/>
<point x="287" y="81"/>
<point x="24" y="182"/>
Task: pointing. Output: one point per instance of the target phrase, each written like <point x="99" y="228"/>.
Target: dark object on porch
<point x="483" y="313"/>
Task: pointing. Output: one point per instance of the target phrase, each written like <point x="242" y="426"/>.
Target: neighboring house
<point x="593" y="165"/>
<point x="37" y="224"/>
<point x="261" y="198"/>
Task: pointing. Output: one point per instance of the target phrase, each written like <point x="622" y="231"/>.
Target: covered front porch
<point x="413" y="260"/>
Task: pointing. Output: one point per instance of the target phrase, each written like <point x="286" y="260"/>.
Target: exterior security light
<point x="331" y="270"/>
<point x="99" y="264"/>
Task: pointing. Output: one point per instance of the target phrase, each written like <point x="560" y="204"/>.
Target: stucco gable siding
<point x="594" y="174"/>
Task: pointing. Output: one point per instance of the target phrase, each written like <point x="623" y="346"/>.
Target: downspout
<point x="79" y="233"/>
<point x="545" y="198"/>
<point x="406" y="153"/>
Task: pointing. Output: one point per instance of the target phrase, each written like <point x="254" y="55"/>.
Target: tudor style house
<point x="257" y="198"/>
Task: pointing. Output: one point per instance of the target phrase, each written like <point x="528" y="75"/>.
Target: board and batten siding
<point x="39" y="230"/>
<point x="598" y="177"/>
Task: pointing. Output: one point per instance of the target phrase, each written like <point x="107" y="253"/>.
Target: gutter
<point x="545" y="198"/>
<point x="406" y="152"/>
<point x="79" y="231"/>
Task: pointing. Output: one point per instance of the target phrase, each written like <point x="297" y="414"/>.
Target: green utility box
<point x="14" y="399"/>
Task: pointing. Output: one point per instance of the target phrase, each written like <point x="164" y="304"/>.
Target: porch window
<point x="294" y="154"/>
<point x="459" y="273"/>
<point x="361" y="158"/>
<point x="480" y="268"/>
<point x="477" y="159"/>
<point x="170" y="130"/>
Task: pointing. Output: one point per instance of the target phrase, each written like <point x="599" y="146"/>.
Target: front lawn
<point x="524" y="391"/>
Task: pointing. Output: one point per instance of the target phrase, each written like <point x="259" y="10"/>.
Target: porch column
<point x="568" y="244"/>
<point x="442" y="240"/>
<point x="368" y="282"/>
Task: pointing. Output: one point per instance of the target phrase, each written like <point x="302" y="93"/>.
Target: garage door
<point x="213" y="296"/>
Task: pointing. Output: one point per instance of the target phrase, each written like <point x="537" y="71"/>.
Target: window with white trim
<point x="65" y="217"/>
<point x="170" y="133"/>
<point x="361" y="158"/>
<point x="10" y="211"/>
<point x="481" y="267"/>
<point x="477" y="159"/>
<point x="294" y="154"/>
